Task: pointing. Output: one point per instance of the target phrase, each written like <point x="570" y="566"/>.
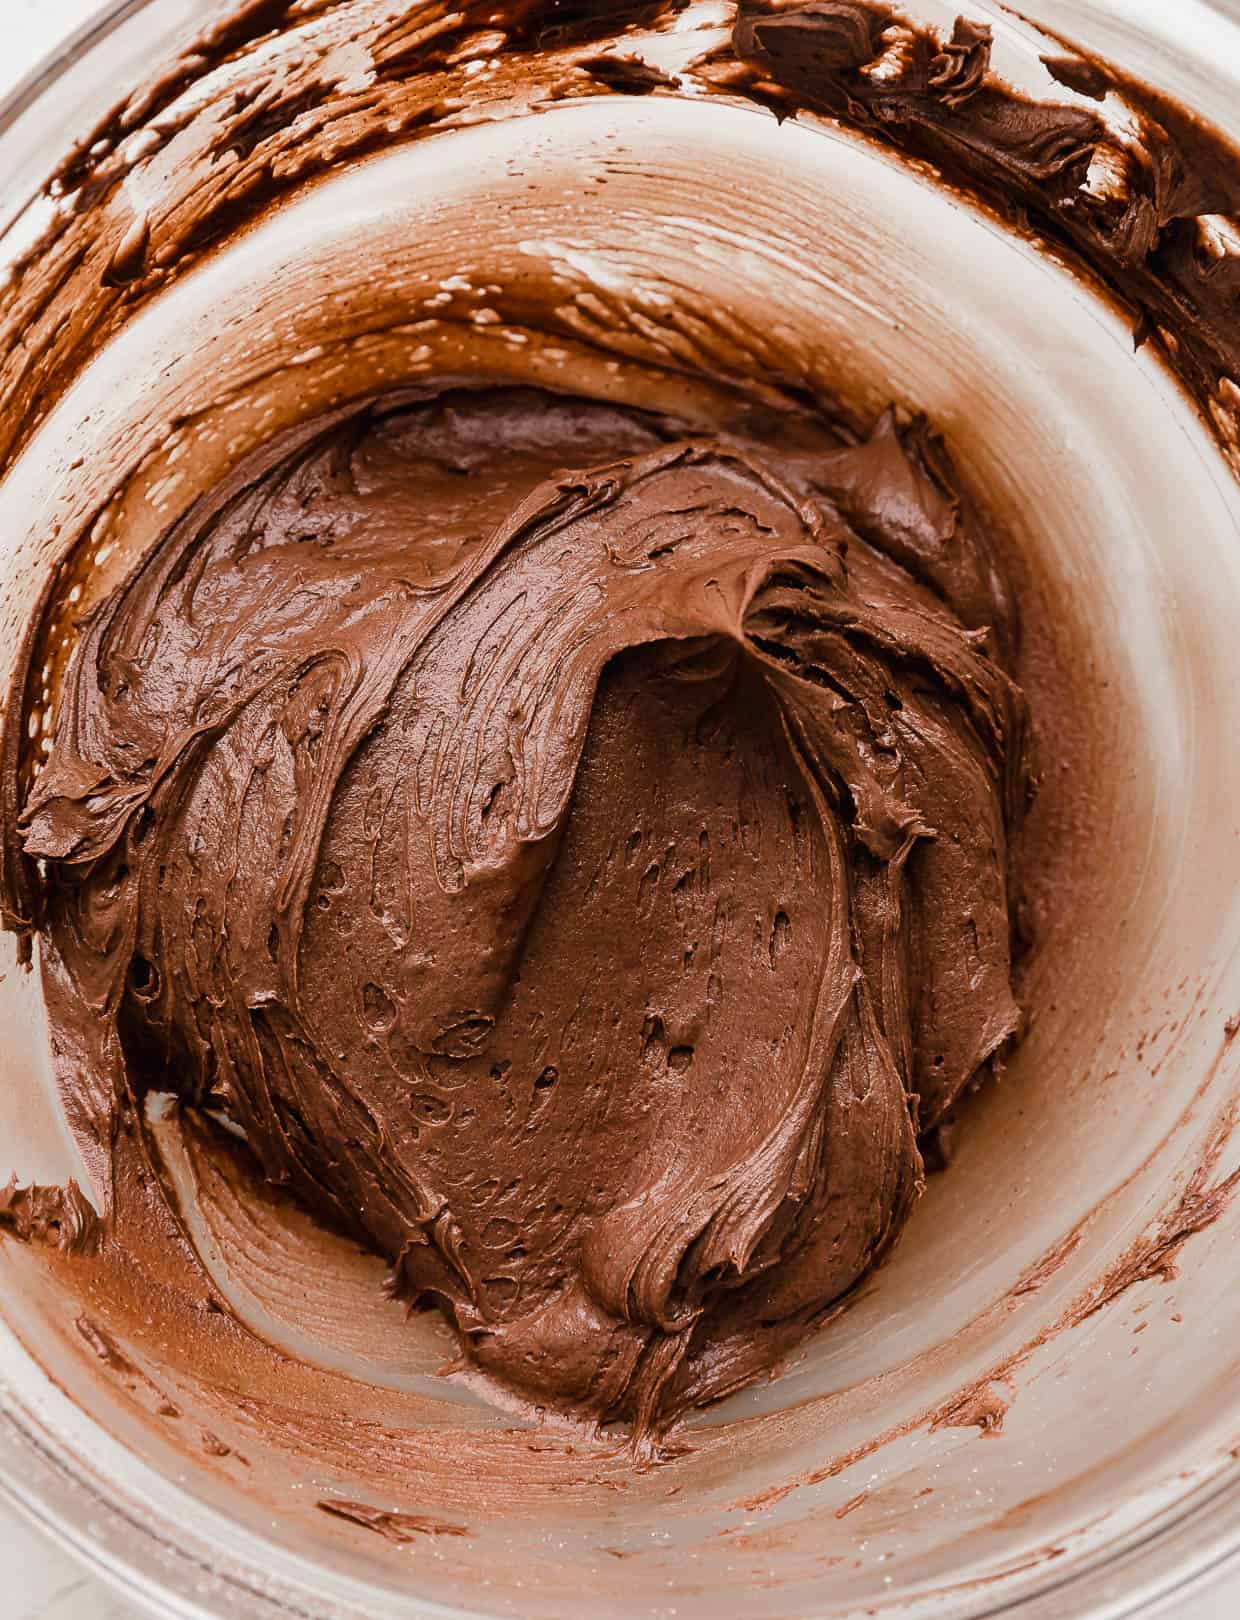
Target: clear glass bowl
<point x="1114" y="1488"/>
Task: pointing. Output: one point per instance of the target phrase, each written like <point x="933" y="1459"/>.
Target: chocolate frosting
<point x="60" y="1216"/>
<point x="577" y="886"/>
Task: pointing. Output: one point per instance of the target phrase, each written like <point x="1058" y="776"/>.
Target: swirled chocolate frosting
<point x="573" y="854"/>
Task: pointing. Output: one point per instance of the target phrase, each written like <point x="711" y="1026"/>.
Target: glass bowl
<point x="1077" y="1262"/>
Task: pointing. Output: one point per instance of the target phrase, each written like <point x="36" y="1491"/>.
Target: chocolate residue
<point x="105" y="1348"/>
<point x="1139" y="211"/>
<point x="981" y="1408"/>
<point x="628" y="74"/>
<point x="852" y="1504"/>
<point x="300" y="117"/>
<point x="1153" y="1256"/>
<point x="563" y="892"/>
<point x="61" y="1216"/>
<point x="214" y="1446"/>
<point x="1044" y="1268"/>
<point x="402" y="1529"/>
<point x="102" y="1345"/>
<point x="1087" y="78"/>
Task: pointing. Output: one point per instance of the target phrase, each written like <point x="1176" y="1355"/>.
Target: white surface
<point x="40" y="1583"/>
<point x="36" y="1581"/>
<point x="30" y="28"/>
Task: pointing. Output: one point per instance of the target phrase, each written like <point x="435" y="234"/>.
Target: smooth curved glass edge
<point x="74" y="46"/>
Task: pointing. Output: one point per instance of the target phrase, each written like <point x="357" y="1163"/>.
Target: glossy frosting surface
<point x="578" y="885"/>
